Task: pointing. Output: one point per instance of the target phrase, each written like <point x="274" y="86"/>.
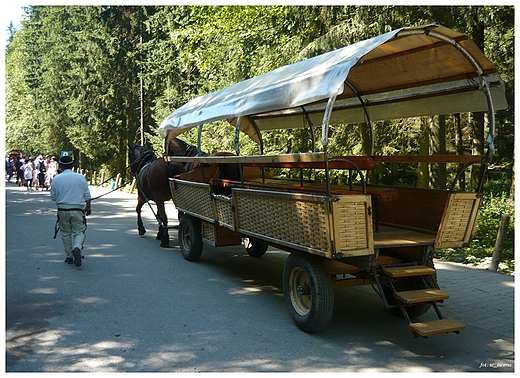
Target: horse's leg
<point x="140" y="225"/>
<point x="162" y="235"/>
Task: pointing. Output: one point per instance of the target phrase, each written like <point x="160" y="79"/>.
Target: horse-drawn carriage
<point x="338" y="235"/>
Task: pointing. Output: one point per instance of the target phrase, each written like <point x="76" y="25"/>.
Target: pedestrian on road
<point x="51" y="170"/>
<point x="71" y="193"/>
<point x="9" y="167"/>
<point x="28" y="171"/>
<point x="18" y="164"/>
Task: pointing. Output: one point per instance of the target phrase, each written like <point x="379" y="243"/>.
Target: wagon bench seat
<point x="382" y="193"/>
<point x="296" y="160"/>
<point x="338" y="162"/>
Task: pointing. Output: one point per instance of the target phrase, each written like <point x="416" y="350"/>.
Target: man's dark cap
<point x="66" y="160"/>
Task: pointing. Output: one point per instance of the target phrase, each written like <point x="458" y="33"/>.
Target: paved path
<point x="133" y="306"/>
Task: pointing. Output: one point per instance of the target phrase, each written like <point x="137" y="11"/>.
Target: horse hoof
<point x="165" y="241"/>
<point x="142" y="232"/>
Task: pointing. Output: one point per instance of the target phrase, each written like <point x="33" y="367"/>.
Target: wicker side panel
<point x="296" y="221"/>
<point x="224" y="209"/>
<point x="353" y="226"/>
<point x="208" y="232"/>
<point x="458" y="220"/>
<point x="193" y="197"/>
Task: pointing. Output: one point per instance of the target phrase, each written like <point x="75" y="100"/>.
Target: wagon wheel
<point x="308" y="293"/>
<point x="190" y="237"/>
<point x="255" y="247"/>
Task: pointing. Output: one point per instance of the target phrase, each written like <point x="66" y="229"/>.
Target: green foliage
<point x="74" y="73"/>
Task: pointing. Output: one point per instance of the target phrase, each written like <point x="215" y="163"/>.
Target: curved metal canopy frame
<point x="484" y="85"/>
<point x="367" y="116"/>
<point x="477" y="65"/>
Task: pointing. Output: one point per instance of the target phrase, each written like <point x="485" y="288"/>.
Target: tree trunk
<point x="438" y="147"/>
<point x="424" y="148"/>
<point x="477" y="35"/>
<point x="366" y="140"/>
<point x="477" y="126"/>
<point x="459" y="148"/>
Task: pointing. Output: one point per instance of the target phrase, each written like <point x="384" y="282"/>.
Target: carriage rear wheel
<point x="308" y="292"/>
<point x="190" y="237"/>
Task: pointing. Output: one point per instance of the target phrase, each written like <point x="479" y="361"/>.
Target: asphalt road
<point x="136" y="307"/>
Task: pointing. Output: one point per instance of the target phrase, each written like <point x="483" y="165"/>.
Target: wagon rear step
<point x="434" y="327"/>
<point x="404" y="299"/>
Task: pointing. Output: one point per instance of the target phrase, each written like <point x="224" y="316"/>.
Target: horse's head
<point x="131" y="152"/>
<point x="137" y="154"/>
<point x="178" y="147"/>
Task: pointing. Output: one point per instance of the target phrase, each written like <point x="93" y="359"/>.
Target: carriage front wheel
<point x="190" y="237"/>
<point x="308" y="292"/>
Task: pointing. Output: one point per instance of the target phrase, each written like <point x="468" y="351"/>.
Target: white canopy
<point x="414" y="71"/>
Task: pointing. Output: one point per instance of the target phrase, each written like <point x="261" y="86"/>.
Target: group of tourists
<point x="33" y="173"/>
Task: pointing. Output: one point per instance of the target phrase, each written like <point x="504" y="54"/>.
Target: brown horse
<point x="178" y="147"/>
<point x="151" y="176"/>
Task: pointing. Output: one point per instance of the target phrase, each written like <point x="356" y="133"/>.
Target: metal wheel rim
<point x="186" y="238"/>
<point x="298" y="282"/>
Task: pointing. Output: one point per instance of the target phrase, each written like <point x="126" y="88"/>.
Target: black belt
<point x="78" y="209"/>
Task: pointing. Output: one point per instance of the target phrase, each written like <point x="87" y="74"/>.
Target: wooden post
<point x="134" y="186"/>
<point x="102" y="176"/>
<point x="499" y="244"/>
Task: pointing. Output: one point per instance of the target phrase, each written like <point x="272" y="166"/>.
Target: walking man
<point x="70" y="192"/>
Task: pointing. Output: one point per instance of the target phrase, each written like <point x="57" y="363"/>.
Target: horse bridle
<point x="189" y="150"/>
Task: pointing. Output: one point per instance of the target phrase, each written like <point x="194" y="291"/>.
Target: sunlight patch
<point x="510" y="284"/>
<point x="44" y="290"/>
<point x="244" y="290"/>
<point x="90" y="300"/>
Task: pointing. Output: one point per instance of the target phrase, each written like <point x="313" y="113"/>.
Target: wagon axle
<point x="303" y="290"/>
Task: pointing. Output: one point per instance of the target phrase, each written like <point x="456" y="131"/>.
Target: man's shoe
<point x="69" y="260"/>
<point x="77" y="256"/>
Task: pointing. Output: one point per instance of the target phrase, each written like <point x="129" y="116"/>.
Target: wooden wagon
<point x="340" y="235"/>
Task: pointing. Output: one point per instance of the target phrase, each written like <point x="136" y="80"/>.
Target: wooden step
<point x="434" y="327"/>
<point x="408" y="271"/>
<point x="421" y="296"/>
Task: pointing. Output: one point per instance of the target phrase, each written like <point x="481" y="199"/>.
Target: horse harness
<point x="141" y="162"/>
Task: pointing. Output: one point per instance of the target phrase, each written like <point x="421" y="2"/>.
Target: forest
<point x="94" y="79"/>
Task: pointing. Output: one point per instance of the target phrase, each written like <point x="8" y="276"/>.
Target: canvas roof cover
<point x="402" y="73"/>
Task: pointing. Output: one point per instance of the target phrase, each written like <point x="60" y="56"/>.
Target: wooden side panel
<point x="458" y="221"/>
<point x="352" y="224"/>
